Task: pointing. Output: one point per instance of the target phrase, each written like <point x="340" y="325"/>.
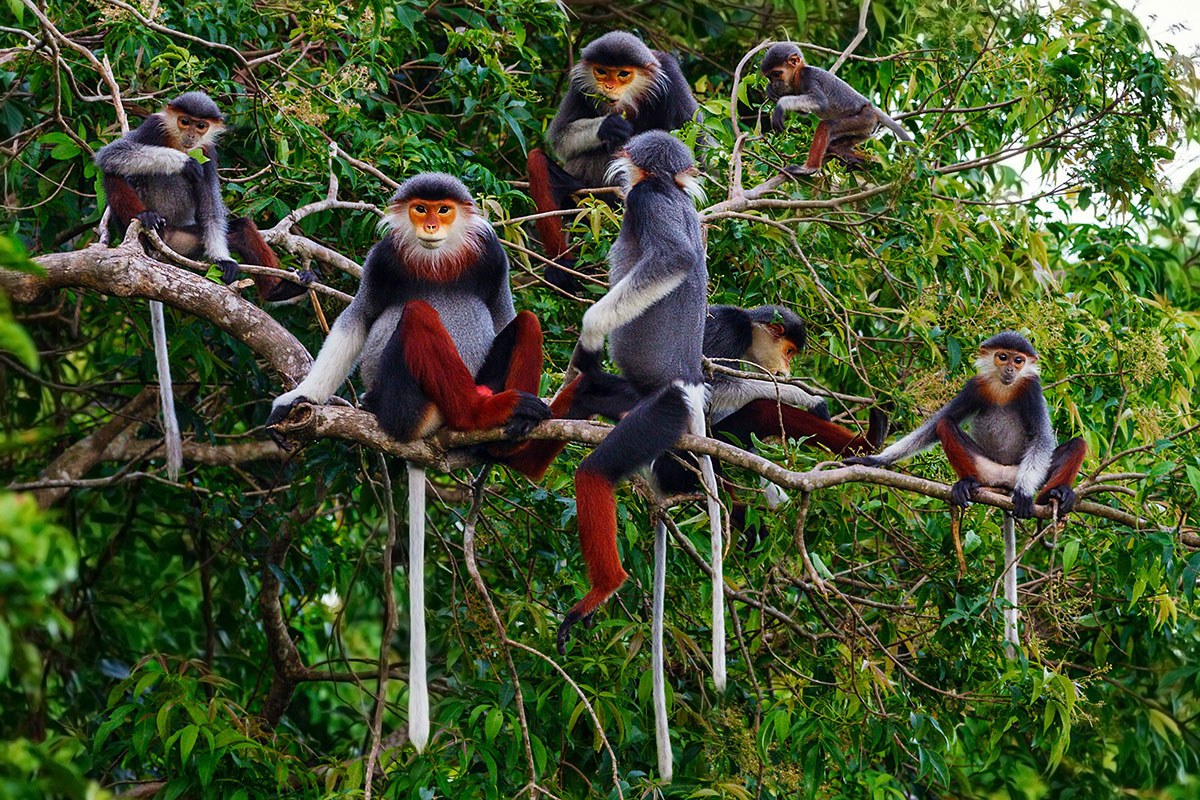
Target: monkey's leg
<point x="514" y="360"/>
<point x="551" y="187"/>
<point x="125" y="203"/>
<point x="245" y="240"/>
<point x="418" y="688"/>
<point x="847" y="133"/>
<point x="662" y="731"/>
<point x="591" y="394"/>
<point x="1064" y="469"/>
<point x="642" y="435"/>
<point x="964" y="456"/>
<point x="816" y="151"/>
<point x="420" y="368"/>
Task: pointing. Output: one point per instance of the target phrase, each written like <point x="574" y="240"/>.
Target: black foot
<point x="307" y="277"/>
<point x="525" y="417"/>
<point x="151" y="219"/>
<point x="864" y="461"/>
<point x="962" y="491"/>
<point x="801" y="170"/>
<point x="586" y="362"/>
<point x="1065" y="496"/>
<point x="821" y="411"/>
<point x="569" y="621"/>
<point x="277" y="415"/>
<point x="229" y="270"/>
<point x="879" y="423"/>
<point x="1022" y="504"/>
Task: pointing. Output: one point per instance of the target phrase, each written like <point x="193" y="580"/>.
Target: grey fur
<point x="618" y="49"/>
<point x="654" y="314"/>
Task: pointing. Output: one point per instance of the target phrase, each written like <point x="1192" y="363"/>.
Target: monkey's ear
<point x="776" y="329"/>
<point x="795" y="60"/>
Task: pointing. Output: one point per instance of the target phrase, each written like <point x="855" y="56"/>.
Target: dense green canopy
<point x="219" y="636"/>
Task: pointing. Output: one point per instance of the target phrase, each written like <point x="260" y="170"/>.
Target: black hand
<point x="151" y="220"/>
<point x="865" y="461"/>
<point x="525" y="417"/>
<point x="307" y="277"/>
<point x="821" y="411"/>
<point x="1022" y="504"/>
<point x="229" y="270"/>
<point x="585" y="361"/>
<point x="962" y="492"/>
<point x="777" y="120"/>
<point x="614" y="131"/>
<point x="192" y="170"/>
<point x="279" y="414"/>
<point x="1065" y="496"/>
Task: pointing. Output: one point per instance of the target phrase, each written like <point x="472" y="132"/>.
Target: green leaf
<point x="491" y="727"/>
<point x="187" y="741"/>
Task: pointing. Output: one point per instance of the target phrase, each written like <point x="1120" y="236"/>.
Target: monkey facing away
<point x="618" y="88"/>
<point x="149" y="175"/>
<point x="847" y="118"/>
<point x="653" y="316"/>
<point x="1011" y="443"/>
<point x="440" y="344"/>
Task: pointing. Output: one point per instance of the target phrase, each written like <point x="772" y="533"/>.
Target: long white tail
<point x="695" y="400"/>
<point x="1011" y="613"/>
<point x="166" y="395"/>
<point x="418" y="689"/>
<point x="662" y="731"/>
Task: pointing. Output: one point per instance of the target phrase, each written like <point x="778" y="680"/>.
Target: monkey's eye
<point x="600" y="72"/>
<point x="444" y="210"/>
<point x="185" y="122"/>
<point x="1002" y="357"/>
<point x="624" y="73"/>
<point x="421" y="209"/>
<point x="1018" y="361"/>
<point x="201" y="126"/>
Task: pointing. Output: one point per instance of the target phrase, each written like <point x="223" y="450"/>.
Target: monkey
<point x="653" y="316"/>
<point x="150" y="176"/>
<point x="1012" y="444"/>
<point x="847" y="118"/>
<point x="768" y="338"/>
<point x="440" y="344"/>
<point x="618" y="88"/>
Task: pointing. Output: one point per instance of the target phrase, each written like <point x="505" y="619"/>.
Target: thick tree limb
<point x="125" y="271"/>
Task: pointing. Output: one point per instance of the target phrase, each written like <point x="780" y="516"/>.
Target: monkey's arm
<point x="730" y="394"/>
<point x="213" y="217"/>
<point x="500" y="299"/>
<point x="628" y="300"/>
<point x="1035" y="463"/>
<point x="343" y="345"/>
<point x="575" y="129"/>
<point x="964" y="404"/>
<point x="142" y="152"/>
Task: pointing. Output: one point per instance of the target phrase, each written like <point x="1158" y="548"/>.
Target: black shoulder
<point x="967" y="402"/>
<point x="382" y="270"/>
<point x="575" y="105"/>
<point x="153" y="130"/>
<point x="494" y="259"/>
<point x="678" y="104"/>
<point x="1032" y="401"/>
<point x="728" y="332"/>
<point x="649" y="205"/>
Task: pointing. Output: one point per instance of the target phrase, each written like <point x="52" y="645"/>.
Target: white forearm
<point x="624" y="302"/>
<point x="579" y="137"/>
<point x="333" y="364"/>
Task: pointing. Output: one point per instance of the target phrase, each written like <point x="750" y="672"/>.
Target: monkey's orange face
<point x="613" y="82"/>
<point x="432" y="221"/>
<point x="1011" y="366"/>
<point x="771" y="350"/>
<point x="190" y="132"/>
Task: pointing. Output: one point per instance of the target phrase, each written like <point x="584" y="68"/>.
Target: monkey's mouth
<point x="431" y="244"/>
<point x="1006" y="379"/>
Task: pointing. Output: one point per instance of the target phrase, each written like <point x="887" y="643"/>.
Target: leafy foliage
<point x="1033" y="198"/>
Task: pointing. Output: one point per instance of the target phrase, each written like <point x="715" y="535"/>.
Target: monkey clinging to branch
<point x="847" y="118"/>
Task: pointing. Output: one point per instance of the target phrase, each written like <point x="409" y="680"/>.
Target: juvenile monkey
<point x="149" y="175"/>
<point x="847" y="118"/>
<point x="1012" y="442"/>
